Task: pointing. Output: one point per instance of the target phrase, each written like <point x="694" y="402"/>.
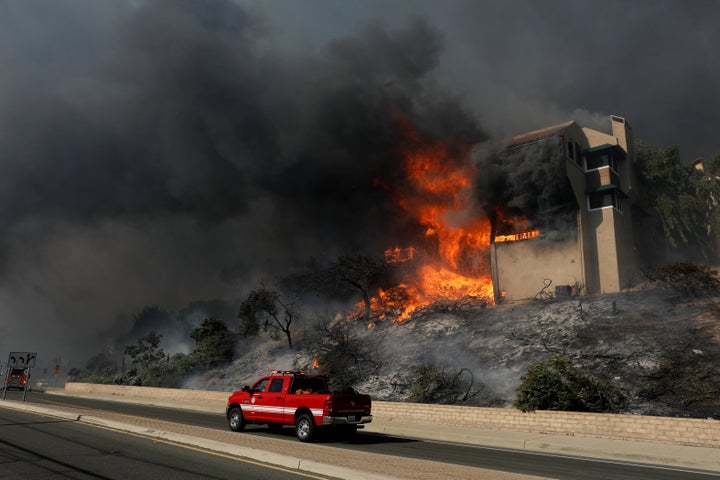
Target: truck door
<point x="256" y="392"/>
<point x="268" y="405"/>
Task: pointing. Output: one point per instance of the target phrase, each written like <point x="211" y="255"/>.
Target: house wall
<point x="603" y="223"/>
<point x="590" y="276"/>
<point x="629" y="270"/>
<point x="521" y="267"/>
<point x="611" y="256"/>
<point x="596" y="138"/>
<point x="625" y="138"/>
<point x="591" y="272"/>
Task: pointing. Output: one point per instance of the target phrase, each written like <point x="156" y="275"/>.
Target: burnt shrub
<point x="686" y="377"/>
<point x="687" y="278"/>
<point x="557" y="385"/>
<point x="434" y="384"/>
<point x="341" y="353"/>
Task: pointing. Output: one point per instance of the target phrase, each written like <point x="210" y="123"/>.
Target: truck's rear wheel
<point x="236" y="421"/>
<point x="305" y="427"/>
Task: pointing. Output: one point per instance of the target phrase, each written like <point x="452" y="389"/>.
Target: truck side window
<point x="276" y="385"/>
<point x="261" y="385"/>
<point x="297" y="386"/>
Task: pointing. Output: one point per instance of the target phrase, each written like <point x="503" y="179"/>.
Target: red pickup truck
<point x="294" y="398"/>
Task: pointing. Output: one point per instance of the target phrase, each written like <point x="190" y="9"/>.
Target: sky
<point x="170" y="152"/>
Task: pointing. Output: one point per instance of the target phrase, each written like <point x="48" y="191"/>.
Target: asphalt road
<point x="37" y="446"/>
<point x="514" y="461"/>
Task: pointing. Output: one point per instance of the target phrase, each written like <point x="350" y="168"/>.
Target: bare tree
<point x="360" y="271"/>
<point x="342" y="354"/>
<point x="266" y="308"/>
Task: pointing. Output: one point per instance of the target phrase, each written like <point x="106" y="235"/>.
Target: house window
<point x="578" y="153"/>
<point x="605" y="198"/>
<point x="602" y="157"/>
<point x="570" y="153"/>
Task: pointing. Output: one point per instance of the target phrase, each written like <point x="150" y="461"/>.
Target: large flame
<point x="438" y="196"/>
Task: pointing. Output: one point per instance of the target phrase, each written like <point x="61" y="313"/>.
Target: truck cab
<point x="295" y="398"/>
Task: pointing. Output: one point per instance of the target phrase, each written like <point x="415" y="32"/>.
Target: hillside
<point x="661" y="348"/>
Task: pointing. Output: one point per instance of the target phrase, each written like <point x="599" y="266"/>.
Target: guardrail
<point x="681" y="431"/>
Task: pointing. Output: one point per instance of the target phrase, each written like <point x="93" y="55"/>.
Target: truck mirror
<point x="246" y="388"/>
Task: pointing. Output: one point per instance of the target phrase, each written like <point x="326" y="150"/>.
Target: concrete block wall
<point x="680" y="431"/>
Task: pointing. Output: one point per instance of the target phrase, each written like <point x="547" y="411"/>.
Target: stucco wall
<point x="680" y="431"/>
<point x="521" y="267"/>
<point x="602" y="223"/>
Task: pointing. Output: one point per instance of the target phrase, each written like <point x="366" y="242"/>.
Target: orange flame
<point x="399" y="255"/>
<point x="517" y="236"/>
<point x="315" y="364"/>
<point x="439" y="196"/>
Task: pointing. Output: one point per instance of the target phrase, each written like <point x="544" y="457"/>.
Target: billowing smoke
<point x="528" y="182"/>
<point x="166" y="158"/>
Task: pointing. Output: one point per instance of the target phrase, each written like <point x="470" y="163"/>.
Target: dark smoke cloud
<point x="529" y="186"/>
<point x="528" y="64"/>
<point x="161" y="152"/>
<point x="168" y="158"/>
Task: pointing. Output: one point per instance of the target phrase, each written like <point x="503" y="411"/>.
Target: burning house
<point x="549" y="214"/>
<point x="566" y="224"/>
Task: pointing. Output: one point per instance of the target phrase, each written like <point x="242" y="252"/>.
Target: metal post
<point x="7" y="372"/>
<point x="27" y="382"/>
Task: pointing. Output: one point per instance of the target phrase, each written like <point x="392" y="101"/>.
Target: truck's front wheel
<point x="236" y="421"/>
<point x="305" y="427"/>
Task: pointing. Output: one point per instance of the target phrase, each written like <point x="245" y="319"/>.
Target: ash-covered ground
<point x="660" y="348"/>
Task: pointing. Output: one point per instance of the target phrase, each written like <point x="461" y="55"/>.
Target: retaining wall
<point x="681" y="431"/>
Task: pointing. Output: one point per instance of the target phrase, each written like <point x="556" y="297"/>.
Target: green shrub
<point x="557" y="385"/>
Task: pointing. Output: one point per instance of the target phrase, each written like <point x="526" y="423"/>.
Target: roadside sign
<point x="21" y="359"/>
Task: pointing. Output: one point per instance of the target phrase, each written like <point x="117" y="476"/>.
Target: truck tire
<point x="236" y="421"/>
<point x="305" y="428"/>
